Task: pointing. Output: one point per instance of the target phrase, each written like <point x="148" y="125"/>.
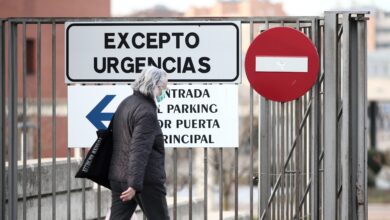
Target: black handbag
<point x="96" y="164"/>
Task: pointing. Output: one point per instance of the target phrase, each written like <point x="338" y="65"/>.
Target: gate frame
<point x="2" y="118"/>
<point x="354" y="199"/>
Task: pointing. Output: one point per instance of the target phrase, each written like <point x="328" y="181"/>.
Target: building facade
<point x="45" y="8"/>
<point x="238" y="8"/>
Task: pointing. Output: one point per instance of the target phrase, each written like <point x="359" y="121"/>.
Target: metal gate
<point x="309" y="161"/>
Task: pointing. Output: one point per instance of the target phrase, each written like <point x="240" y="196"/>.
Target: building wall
<point x="47" y="8"/>
<point x="238" y="8"/>
<point x="371" y="33"/>
<point x="54" y="8"/>
<point x="378" y="30"/>
<point x="382" y="29"/>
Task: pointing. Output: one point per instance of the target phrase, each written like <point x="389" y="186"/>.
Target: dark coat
<point x="138" y="152"/>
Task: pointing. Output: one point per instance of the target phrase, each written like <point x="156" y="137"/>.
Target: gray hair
<point x="147" y="81"/>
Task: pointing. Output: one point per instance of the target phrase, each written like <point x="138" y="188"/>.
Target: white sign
<point x="200" y="116"/>
<point x="190" y="115"/>
<point x="281" y="64"/>
<point x="196" y="51"/>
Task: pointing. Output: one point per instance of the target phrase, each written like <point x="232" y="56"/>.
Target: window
<point x="30" y="47"/>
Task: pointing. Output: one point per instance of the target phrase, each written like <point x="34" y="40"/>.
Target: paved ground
<point x="378" y="211"/>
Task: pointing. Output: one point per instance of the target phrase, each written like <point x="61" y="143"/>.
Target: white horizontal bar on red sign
<point x="281" y="64"/>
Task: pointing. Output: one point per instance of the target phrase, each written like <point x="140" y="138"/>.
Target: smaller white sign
<point x="200" y="116"/>
<point x="281" y="64"/>
<point x="190" y="115"/>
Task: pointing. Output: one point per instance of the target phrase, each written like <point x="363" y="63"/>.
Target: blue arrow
<point x="96" y="116"/>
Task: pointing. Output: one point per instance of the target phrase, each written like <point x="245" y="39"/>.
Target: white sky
<point x="292" y="7"/>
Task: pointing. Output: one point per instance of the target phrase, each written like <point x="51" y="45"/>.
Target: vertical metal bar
<point x="306" y="160"/>
<point x="291" y="169"/>
<point x="339" y="122"/>
<point x="83" y="211"/>
<point x="2" y="119"/>
<point x="272" y="154"/>
<point x="346" y="151"/>
<point x="279" y="160"/>
<point x="236" y="183"/>
<point x="174" y="183"/>
<point x="321" y="125"/>
<point x="190" y="184"/>
<point x="304" y="154"/>
<point x="288" y="186"/>
<point x="314" y="134"/>
<point x="54" y="116"/>
<point x="220" y="183"/>
<point x="99" y="191"/>
<point x="24" y="125"/>
<point x="302" y="162"/>
<point x="298" y="150"/>
<point x="303" y="157"/>
<point x="68" y="185"/>
<point x="308" y="157"/>
<point x="330" y="115"/>
<point x="309" y="169"/>
<point x="13" y="122"/>
<point x="362" y="118"/>
<point x="263" y="155"/>
<point x="309" y="132"/>
<point x="251" y="137"/>
<point x="355" y="112"/>
<point x="297" y="164"/>
<point x="292" y="174"/>
<point x="205" y="171"/>
<point x="276" y="158"/>
<point x="264" y="185"/>
<point x="353" y="120"/>
<point x="282" y="144"/>
<point x="39" y="111"/>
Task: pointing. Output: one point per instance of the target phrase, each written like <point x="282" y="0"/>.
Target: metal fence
<point x="313" y="150"/>
<point x="311" y="159"/>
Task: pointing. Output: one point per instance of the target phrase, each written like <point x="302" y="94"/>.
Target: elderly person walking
<point x="137" y="170"/>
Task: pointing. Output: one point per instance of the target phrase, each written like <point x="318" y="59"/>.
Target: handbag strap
<point x="111" y="122"/>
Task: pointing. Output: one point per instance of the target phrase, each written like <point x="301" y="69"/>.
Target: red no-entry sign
<point x="282" y="64"/>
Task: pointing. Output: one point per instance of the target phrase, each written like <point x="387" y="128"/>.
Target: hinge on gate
<point x="360" y="17"/>
<point x="360" y="194"/>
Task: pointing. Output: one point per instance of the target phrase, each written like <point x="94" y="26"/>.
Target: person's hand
<point x="128" y="194"/>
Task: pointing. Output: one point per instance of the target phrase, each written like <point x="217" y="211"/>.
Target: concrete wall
<point x="76" y="208"/>
<point x="61" y="186"/>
